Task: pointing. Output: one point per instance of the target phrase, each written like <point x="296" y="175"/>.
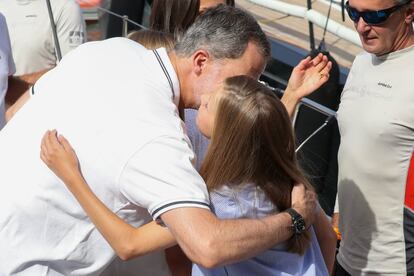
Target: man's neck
<point x="405" y="41"/>
<point x="179" y="65"/>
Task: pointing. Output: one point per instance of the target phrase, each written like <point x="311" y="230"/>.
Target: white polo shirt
<point x="31" y="33"/>
<point x="113" y="102"/>
<point x="6" y="65"/>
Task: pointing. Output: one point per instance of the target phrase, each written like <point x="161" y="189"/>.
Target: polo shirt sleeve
<point x="70" y="27"/>
<point x="160" y="177"/>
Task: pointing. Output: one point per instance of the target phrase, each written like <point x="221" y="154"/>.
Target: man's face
<point x="251" y="63"/>
<point x="382" y="38"/>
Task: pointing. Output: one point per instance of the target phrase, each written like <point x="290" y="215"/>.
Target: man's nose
<point x="361" y="26"/>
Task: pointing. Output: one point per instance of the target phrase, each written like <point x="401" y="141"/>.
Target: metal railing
<point x="329" y="113"/>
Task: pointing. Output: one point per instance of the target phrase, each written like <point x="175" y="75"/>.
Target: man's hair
<point x="224" y="32"/>
<point x="402" y="2"/>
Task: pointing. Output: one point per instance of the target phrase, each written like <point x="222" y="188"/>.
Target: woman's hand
<point x="306" y="77"/>
<point x="60" y="157"/>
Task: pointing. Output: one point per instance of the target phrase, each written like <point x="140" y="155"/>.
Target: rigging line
<point x="54" y="32"/>
<point x="327" y="121"/>
<point x="116" y="15"/>
<point x="322" y="43"/>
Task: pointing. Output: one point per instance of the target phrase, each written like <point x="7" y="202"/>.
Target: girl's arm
<point x="127" y="241"/>
<point x="326" y="238"/>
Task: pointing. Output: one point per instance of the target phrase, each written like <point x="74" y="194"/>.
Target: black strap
<point x="164" y="69"/>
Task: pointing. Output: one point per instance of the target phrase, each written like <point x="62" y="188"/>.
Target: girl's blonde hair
<point x="151" y="39"/>
<point x="253" y="140"/>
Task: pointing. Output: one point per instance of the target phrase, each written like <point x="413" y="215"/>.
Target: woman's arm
<point x="326" y="238"/>
<point x="127" y="241"/>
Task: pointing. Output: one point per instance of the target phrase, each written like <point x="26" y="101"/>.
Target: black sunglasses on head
<point x="372" y="17"/>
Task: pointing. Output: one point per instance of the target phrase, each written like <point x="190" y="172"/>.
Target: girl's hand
<point x="308" y="76"/>
<point x="127" y="241"/>
<point x="60" y="157"/>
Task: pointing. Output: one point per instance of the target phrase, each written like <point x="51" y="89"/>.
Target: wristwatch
<point x="298" y="223"/>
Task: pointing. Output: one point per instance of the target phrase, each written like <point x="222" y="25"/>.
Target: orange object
<point x="337" y="232"/>
<point x="89" y="3"/>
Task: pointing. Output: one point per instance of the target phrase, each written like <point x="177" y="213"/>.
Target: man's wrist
<point x="298" y="222"/>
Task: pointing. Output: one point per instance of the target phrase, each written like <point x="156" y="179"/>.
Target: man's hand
<point x="304" y="202"/>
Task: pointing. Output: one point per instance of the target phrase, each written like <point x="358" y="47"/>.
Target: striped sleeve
<point x="160" y="177"/>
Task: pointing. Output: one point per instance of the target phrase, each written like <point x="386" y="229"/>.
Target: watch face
<point x="299" y="226"/>
<point x="298" y="223"/>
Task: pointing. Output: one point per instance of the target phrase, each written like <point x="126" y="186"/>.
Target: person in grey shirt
<point x="375" y="189"/>
<point x="31" y="36"/>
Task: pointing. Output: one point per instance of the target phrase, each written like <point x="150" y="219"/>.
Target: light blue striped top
<point x="249" y="201"/>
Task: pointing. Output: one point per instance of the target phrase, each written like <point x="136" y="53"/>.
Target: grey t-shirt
<point x="376" y="121"/>
<point x="31" y="33"/>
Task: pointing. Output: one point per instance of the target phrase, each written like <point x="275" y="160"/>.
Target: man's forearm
<point x="20" y="84"/>
<point x="16" y="88"/>
<point x="211" y="242"/>
<point x="33" y="77"/>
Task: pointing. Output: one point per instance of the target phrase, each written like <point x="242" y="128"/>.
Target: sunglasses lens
<point x="375" y="17"/>
<point x="353" y="14"/>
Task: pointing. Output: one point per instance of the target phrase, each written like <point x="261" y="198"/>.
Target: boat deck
<point x="295" y="31"/>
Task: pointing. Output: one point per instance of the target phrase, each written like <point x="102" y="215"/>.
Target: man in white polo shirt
<point x="6" y="65"/>
<point x="32" y="39"/>
<point x="122" y="119"/>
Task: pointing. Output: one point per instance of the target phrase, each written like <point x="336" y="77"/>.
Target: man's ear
<point x="199" y="60"/>
<point x="409" y="14"/>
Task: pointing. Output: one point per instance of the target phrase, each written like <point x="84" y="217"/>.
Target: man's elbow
<point x="127" y="252"/>
<point x="207" y="254"/>
<point x="125" y="255"/>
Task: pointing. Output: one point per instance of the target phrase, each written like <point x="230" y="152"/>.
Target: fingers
<point x="311" y="195"/>
<point x="52" y="140"/>
<point x="299" y="188"/>
<point x="320" y="62"/>
<point x="317" y="60"/>
<point x="324" y="74"/>
<point x="65" y="143"/>
<point x="49" y="146"/>
<point x="325" y="71"/>
<point x="304" y="63"/>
